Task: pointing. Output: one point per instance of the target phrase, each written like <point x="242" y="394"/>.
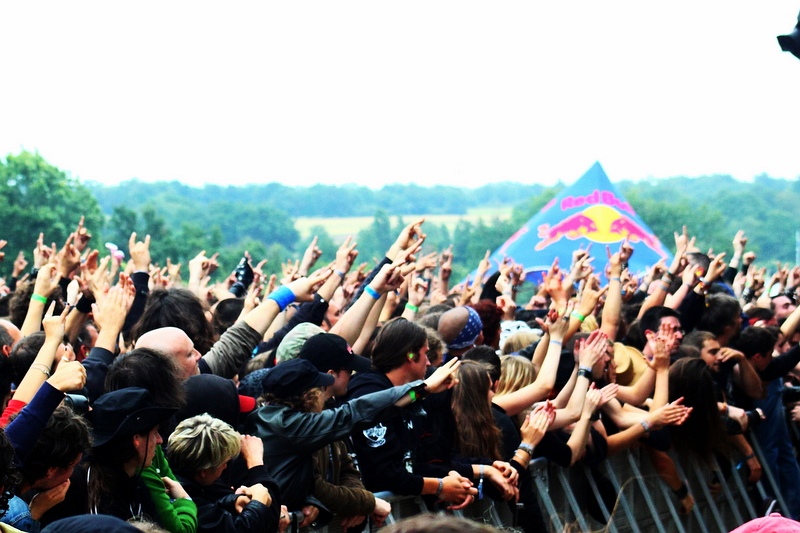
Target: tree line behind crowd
<point x="183" y="220"/>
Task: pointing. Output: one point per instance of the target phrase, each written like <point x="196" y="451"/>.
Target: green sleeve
<point x="179" y="516"/>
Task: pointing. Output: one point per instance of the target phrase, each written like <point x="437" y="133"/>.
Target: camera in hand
<point x="78" y="403"/>
<point x="244" y="277"/>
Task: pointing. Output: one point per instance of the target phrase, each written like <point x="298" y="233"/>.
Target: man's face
<point x="670" y="331"/>
<point x="420" y="366"/>
<point x="339" y="387"/>
<point x="710" y="354"/>
<point x="187" y="357"/>
<point x="56" y="476"/>
<point x="783" y="306"/>
<point x="674" y="325"/>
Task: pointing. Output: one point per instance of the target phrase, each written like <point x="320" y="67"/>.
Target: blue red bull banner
<point x="591" y="211"/>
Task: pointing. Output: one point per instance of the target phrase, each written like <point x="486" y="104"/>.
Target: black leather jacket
<point x="290" y="437"/>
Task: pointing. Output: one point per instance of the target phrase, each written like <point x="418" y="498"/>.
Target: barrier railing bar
<point x="698" y="516"/>
<point x="596" y="492"/>
<point x="538" y="469"/>
<point x="728" y="495"/>
<point x="637" y="474"/>
<point x="623" y="499"/>
<point x="712" y="504"/>
<point x="737" y="478"/>
<point x="665" y="493"/>
<point x="776" y="490"/>
<point x="571" y="500"/>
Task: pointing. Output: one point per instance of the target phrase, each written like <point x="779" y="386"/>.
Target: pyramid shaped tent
<point x="591" y="211"/>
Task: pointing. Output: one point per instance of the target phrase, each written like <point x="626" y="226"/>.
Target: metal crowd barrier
<point x="644" y="503"/>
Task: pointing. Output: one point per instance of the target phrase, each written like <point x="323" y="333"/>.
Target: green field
<point x="339" y="228"/>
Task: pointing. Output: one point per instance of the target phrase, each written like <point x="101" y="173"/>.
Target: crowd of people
<point x="135" y="400"/>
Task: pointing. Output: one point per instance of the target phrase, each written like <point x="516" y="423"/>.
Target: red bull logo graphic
<point x="573" y="227"/>
<point x="601" y="224"/>
<point x="596" y="197"/>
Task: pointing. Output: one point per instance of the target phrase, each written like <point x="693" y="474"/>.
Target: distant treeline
<point x="713" y="208"/>
<point x="315" y="201"/>
<point x="182" y="220"/>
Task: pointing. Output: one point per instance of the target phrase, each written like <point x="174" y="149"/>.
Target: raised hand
<point x="69" y="257"/>
<point x="412" y="232"/>
<point x="739" y="242"/>
<point x="310" y="256"/>
<point x="304" y="288"/>
<point x="47" y="280"/>
<point x="444" y="377"/>
<point x="81" y="236"/>
<point x="139" y="252"/>
<point x="42" y="253"/>
<point x="346" y="255"/>
<point x="669" y="414"/>
<point x="446" y="264"/>
<point x="19" y="265"/>
<point x="54" y="326"/>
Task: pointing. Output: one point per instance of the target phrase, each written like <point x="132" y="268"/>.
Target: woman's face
<point x="146" y="446"/>
<point x="213" y="474"/>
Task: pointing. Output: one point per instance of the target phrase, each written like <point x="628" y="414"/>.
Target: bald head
<point x="175" y="343"/>
<point x="459" y="327"/>
<point x="12" y="330"/>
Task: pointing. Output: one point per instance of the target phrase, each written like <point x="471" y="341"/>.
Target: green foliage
<point x="374" y="241"/>
<point x="37" y="197"/>
<point x="122" y="223"/>
<point x="182" y="220"/>
<point x="324" y="243"/>
<point x="528" y="208"/>
<point x="183" y="201"/>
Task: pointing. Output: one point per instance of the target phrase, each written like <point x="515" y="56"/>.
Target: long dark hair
<point x="477" y="434"/>
<point x="397" y="339"/>
<point x="105" y="465"/>
<point x="151" y="370"/>
<point x="703" y="434"/>
<point x="178" y="308"/>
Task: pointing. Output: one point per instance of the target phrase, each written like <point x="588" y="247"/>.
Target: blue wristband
<point x="372" y="292"/>
<point x="282" y="296"/>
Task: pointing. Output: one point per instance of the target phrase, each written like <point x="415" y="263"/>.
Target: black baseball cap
<point x="328" y="351"/>
<point x="294" y="377"/>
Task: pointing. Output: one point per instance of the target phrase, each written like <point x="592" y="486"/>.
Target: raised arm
<point x="587" y="352"/>
<point x="345" y="256"/>
<point x="47" y="281"/>
<point x="42" y="365"/>
<point x="580" y="434"/>
<point x="517" y="401"/>
<point x="613" y="305"/>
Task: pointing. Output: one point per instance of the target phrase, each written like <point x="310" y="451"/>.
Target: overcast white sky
<point x="371" y="92"/>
